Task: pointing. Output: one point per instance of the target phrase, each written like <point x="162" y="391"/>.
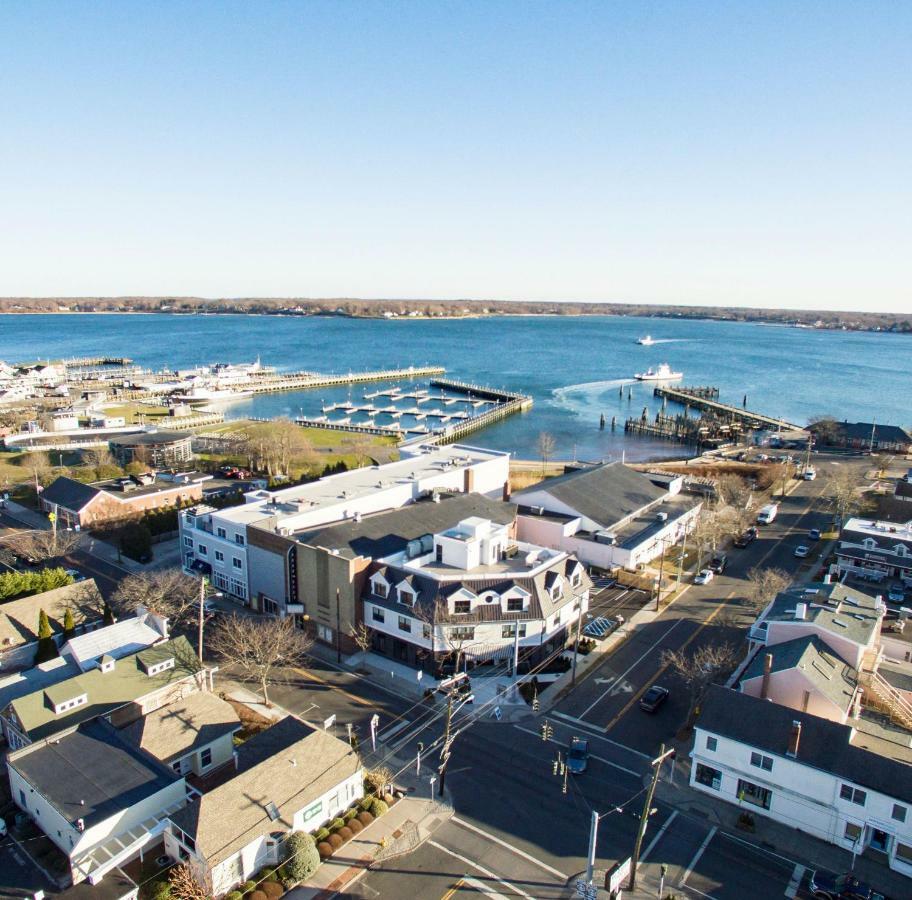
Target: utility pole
<point x="579" y="628"/>
<point x="202" y="603"/>
<point x="445" y="749"/>
<point x="647" y="811"/>
<point x="661" y="571"/>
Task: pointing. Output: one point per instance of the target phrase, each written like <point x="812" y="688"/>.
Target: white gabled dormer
<point x="575" y="574"/>
<point x="516" y="599"/>
<point x="405" y="593"/>
<point x="462" y="601"/>
<point x="379" y="585"/>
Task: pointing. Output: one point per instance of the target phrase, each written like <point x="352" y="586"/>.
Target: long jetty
<point x="704" y="399"/>
<point x="308" y="380"/>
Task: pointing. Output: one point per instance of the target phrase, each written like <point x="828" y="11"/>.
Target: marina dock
<point x="706" y="400"/>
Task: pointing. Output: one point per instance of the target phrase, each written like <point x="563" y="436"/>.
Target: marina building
<point x="156" y="449"/>
<point x="249" y="551"/>
<point x="608" y="515"/>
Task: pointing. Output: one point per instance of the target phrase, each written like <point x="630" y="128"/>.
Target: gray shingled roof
<point x="823" y="745"/>
<point x="91" y="773"/>
<point x="290" y="765"/>
<point x="829" y="674"/>
<point x="606" y="494"/>
<point x="70" y="494"/>
<point x="386" y="533"/>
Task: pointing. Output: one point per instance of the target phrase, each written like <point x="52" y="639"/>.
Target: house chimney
<point x="826" y="578"/>
<point x="506" y="491"/>
<point x="767" y="669"/>
<point x="469" y="481"/>
<point x="801" y="611"/>
<point x="794" y="739"/>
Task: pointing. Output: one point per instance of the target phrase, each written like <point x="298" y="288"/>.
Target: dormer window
<point x="515" y="604"/>
<point x="461" y="607"/>
<point x="106" y="663"/>
<point x="160" y="666"/>
<point x="406" y="595"/>
<point x="869" y="544"/>
<point x="66" y="705"/>
<point x="381" y="589"/>
<point x="900" y="549"/>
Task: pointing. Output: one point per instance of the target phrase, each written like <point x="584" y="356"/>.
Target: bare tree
<point x="43" y="544"/>
<point x="186" y="884"/>
<point x="699" y="669"/>
<point x="360" y="446"/>
<point x="362" y="636"/>
<point x="39" y="467"/>
<point x="824" y="428"/>
<point x="166" y="592"/>
<point x="256" y="647"/>
<point x="842" y="492"/>
<point x="379" y="779"/>
<point x="733" y="490"/>
<point x="545" y="446"/>
<point x="763" y="585"/>
<point x="709" y="529"/>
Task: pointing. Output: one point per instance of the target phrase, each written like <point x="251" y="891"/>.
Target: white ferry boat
<point x="662" y="373"/>
<point x="646" y="341"/>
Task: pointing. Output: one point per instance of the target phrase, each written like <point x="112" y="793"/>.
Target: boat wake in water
<point x="590" y="398"/>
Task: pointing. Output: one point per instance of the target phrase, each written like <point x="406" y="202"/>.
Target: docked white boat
<point x="662" y="373"/>
<point x="646" y="341"/>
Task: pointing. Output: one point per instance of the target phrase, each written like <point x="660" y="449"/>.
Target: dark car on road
<point x="718" y="563"/>
<point x="577" y="756"/>
<point x="746" y="538"/>
<point x="653" y="698"/>
<point x="827" y="886"/>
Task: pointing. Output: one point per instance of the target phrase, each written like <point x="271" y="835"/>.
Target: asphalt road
<point x="607" y="699"/>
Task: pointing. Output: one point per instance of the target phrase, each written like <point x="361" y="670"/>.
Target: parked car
<point x="801" y="551"/>
<point x="578" y="756"/>
<point x="718" y="562"/>
<point x="896" y="595"/>
<point x="826" y="886"/>
<point x="654" y="698"/>
<point x="814" y="534"/>
<point x="704" y="576"/>
<point x="746" y="538"/>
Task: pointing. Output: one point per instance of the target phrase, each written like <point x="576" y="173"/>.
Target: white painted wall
<point x="803" y="797"/>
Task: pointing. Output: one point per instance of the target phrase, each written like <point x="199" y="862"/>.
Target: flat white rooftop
<point x="425" y="462"/>
<point x="875" y="528"/>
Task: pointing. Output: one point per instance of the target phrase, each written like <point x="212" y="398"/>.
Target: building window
<point x="377" y="614"/>
<point x="853" y="795"/>
<point x="202" y="549"/>
<point x="438" y="553"/>
<point x="711" y="744"/>
<point x="405" y="624"/>
<point x="426" y="631"/>
<point x="708" y="777"/>
<point x="237" y="562"/>
<point x="188" y="542"/>
<point x="762" y="762"/>
<point x="219" y="556"/>
<point x="237" y="587"/>
<point x="239" y="539"/>
<point x="508" y="631"/>
<point x="462" y="633"/>
<point x="515" y="604"/>
<point x="522" y="629"/>
<point x="904" y="853"/>
<point x="753" y="793"/>
<point x="852" y="832"/>
<point x="555" y="621"/>
<point x="406" y="597"/>
<point x="380" y="588"/>
<point x="206" y="757"/>
<point x="325" y="633"/>
<point x="462" y="606"/>
<point x="221" y="533"/>
<point x="899" y="812"/>
<point x="177" y="766"/>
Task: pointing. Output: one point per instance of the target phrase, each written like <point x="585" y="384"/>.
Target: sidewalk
<point x="403" y="829"/>
<point x="770" y="836"/>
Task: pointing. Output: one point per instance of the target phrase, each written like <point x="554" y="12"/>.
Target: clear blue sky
<point x="749" y="153"/>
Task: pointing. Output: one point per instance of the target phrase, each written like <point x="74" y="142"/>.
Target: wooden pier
<point x="498" y="395"/>
<point x="306" y="381"/>
<point x="702" y="399"/>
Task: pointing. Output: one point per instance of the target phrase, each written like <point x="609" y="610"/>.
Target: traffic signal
<point x="535" y="703"/>
<point x="544" y="731"/>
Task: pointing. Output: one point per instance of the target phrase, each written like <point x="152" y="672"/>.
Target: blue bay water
<point x="573" y="367"/>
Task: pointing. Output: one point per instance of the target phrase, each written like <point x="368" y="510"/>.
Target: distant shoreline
<point x="433" y="310"/>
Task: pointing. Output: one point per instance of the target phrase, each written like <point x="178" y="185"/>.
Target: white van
<point x="767" y="514"/>
<point x="810" y="473"/>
